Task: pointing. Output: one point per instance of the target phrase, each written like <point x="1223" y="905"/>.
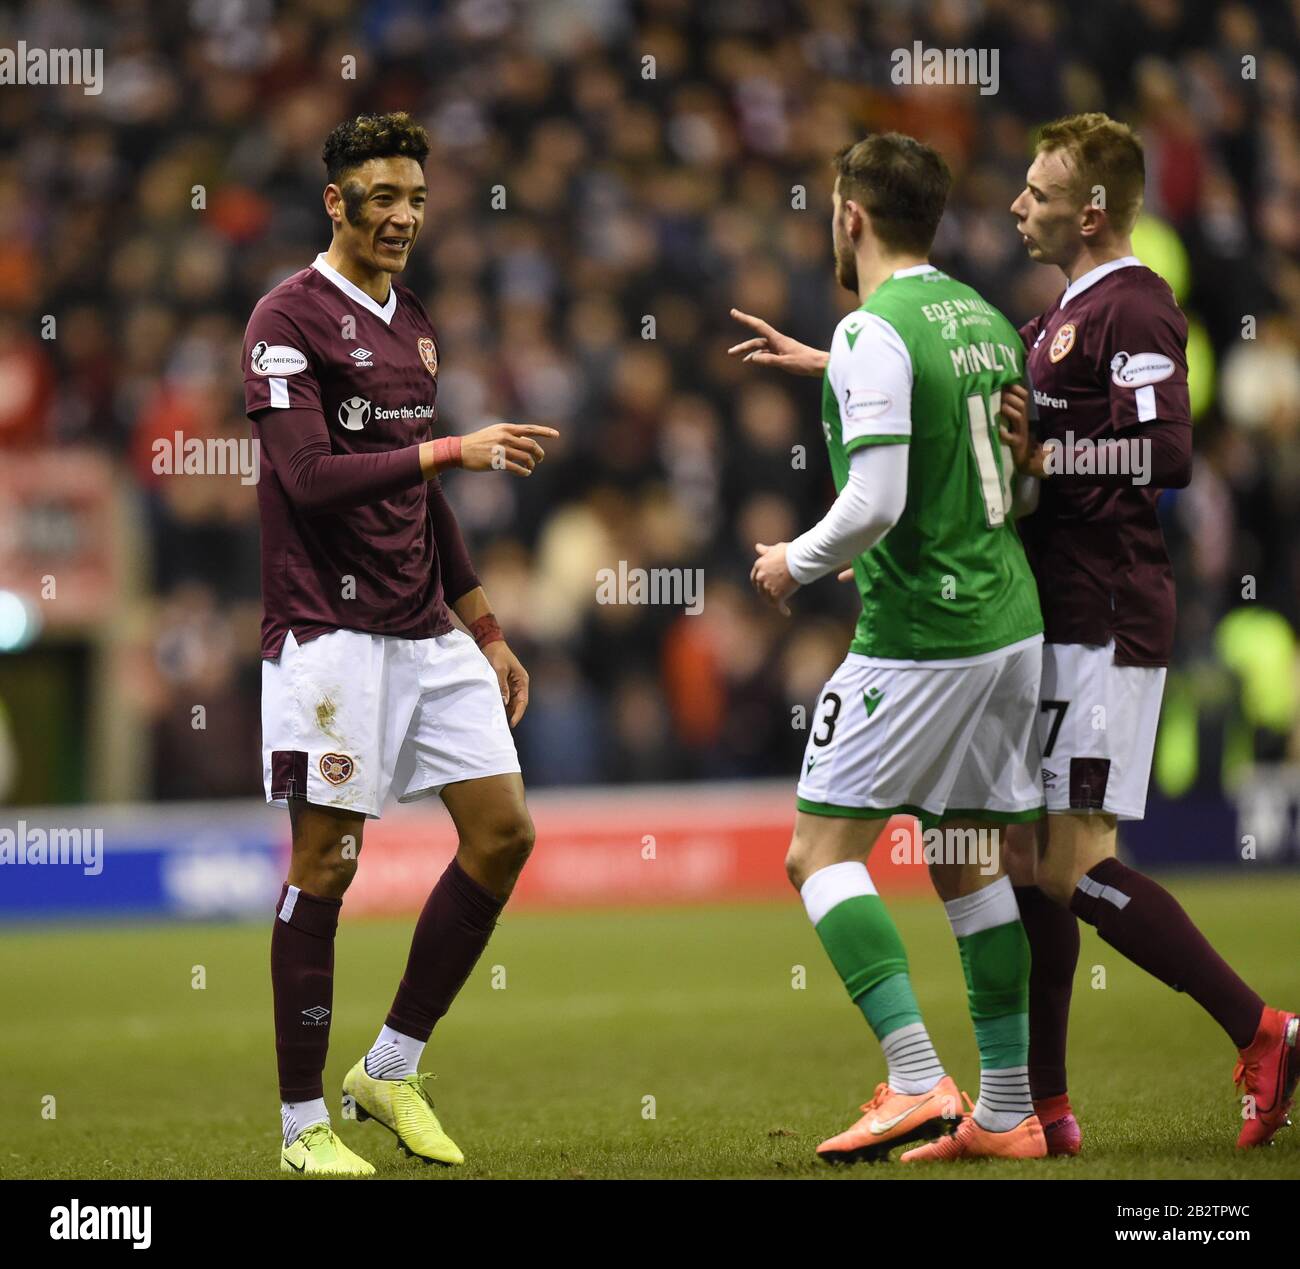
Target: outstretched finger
<point x="756" y="322"/>
<point x="750" y="345"/>
<point x="845" y="576"/>
<point x="529" y="429"/>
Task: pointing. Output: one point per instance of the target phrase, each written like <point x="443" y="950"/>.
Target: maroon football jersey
<point x="319" y="343"/>
<point x="1108" y="360"/>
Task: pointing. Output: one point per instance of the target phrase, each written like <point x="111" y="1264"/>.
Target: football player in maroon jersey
<point x="1107" y="367"/>
<point x="368" y="688"/>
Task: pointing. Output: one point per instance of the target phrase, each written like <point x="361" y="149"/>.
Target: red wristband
<point x="446" y="452"/>
<point x="485" y="630"/>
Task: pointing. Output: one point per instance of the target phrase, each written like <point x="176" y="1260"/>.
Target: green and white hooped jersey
<point x="923" y="363"/>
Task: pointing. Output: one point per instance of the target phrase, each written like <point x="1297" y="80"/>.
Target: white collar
<point x="1096" y="275"/>
<point x="353" y="292"/>
<point x="915" y="271"/>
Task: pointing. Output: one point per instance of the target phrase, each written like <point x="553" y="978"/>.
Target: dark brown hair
<point x="901" y="183"/>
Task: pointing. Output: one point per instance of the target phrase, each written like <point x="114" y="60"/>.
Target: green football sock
<point x="860" y="937"/>
<point x="863" y="943"/>
<point x="995" y="961"/>
<point x="996" y="965"/>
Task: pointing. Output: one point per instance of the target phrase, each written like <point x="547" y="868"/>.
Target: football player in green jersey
<point x="933" y="711"/>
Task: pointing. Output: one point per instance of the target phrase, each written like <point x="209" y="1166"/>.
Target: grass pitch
<point x="548" y="1073"/>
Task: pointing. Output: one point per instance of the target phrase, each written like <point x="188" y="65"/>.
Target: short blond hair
<point x="1102" y="152"/>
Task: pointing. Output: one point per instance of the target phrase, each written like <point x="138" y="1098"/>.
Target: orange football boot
<point x="970" y="1141"/>
<point x="1267" y="1070"/>
<point x="890" y="1118"/>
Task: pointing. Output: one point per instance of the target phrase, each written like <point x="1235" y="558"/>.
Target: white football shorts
<point x="349" y="717"/>
<point x="1097" y="723"/>
<point x="933" y="739"/>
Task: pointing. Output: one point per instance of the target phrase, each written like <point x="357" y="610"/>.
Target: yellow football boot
<point x="404" y="1108"/>
<point x="318" y="1151"/>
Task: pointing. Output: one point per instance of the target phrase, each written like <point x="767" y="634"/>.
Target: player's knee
<point x="507" y="843"/>
<point x="1020" y="854"/>
<point x="796" y="864"/>
<point x="327" y="875"/>
<point x="1057" y="884"/>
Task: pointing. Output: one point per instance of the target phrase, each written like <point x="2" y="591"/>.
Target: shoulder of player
<point x="288" y="302"/>
<point x="409" y="300"/>
<point x="861" y="346"/>
<point x="1138" y="297"/>
<point x="1136" y="283"/>
<point x="296" y="287"/>
<point x="852" y="327"/>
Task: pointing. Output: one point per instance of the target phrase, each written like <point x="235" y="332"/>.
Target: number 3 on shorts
<point x="830" y="713"/>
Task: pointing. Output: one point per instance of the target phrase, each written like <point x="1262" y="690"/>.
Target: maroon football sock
<point x="302" y="983"/>
<point x="1053" y="934"/>
<point x="1148" y="925"/>
<point x="450" y="936"/>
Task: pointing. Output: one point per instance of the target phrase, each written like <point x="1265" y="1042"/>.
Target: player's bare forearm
<point x="472" y="605"/>
<point x="511" y="447"/>
<point x="475" y="611"/>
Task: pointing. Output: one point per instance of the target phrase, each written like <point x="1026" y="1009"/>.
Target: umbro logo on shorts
<point x="337" y="768"/>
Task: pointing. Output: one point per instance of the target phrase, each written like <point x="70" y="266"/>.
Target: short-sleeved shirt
<point x="1109" y="357"/>
<point x="922" y="363"/>
<point x="317" y="342"/>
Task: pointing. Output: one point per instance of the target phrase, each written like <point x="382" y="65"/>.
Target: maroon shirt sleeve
<point x="1165" y="464"/>
<point x="297" y="443"/>
<point x="278" y="368"/>
<point x="458" y="576"/>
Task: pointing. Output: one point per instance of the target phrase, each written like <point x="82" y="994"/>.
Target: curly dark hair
<point x="373" y="137"/>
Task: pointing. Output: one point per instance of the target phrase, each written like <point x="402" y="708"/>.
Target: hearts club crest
<point x="1063" y="342"/>
<point x="337" y="768"/>
<point x="429" y="355"/>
